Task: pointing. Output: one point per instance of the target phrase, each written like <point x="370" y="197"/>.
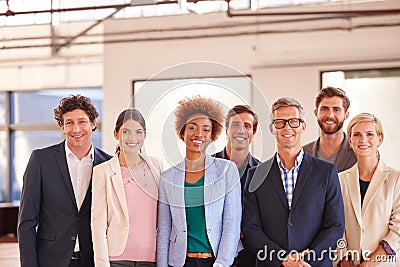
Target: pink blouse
<point x="141" y="198"/>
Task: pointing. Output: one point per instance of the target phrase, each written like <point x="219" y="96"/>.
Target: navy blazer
<point x="49" y="219"/>
<point x="315" y="220"/>
<point x="251" y="162"/>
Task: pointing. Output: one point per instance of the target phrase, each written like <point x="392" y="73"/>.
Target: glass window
<point x="3" y="107"/>
<point x="36" y="107"/>
<point x="4" y="182"/>
<point x="29" y="124"/>
<point x="24" y="143"/>
<point x="369" y="91"/>
<point x="158" y="109"/>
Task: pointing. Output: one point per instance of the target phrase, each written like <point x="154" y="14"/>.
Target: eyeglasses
<point x="293" y="123"/>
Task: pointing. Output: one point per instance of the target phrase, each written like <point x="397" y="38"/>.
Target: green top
<point x="197" y="240"/>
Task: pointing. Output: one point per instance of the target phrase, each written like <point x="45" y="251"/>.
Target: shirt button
<point x="208" y="230"/>
<point x="73" y="238"/>
<point x="290" y="224"/>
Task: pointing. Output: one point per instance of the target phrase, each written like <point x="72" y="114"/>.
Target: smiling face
<point x="78" y="129"/>
<point x="240" y="131"/>
<point x="288" y="137"/>
<point x="364" y="139"/>
<point x="197" y="134"/>
<point x="331" y="114"/>
<point x="130" y="137"/>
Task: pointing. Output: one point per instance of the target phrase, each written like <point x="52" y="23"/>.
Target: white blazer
<point x="110" y="221"/>
<point x="379" y="217"/>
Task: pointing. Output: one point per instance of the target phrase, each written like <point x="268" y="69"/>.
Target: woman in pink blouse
<point x="124" y="199"/>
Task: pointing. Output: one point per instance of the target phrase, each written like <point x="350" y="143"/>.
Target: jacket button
<point x="73" y="238"/>
<point x="290" y="224"/>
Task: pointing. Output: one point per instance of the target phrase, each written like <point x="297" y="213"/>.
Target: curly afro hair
<point x="199" y="105"/>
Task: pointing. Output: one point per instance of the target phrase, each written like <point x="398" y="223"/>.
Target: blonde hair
<point x="199" y="105"/>
<point x="365" y="117"/>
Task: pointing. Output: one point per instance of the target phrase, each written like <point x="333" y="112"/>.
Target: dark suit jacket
<point x="315" y="220"/>
<point x="345" y="158"/>
<point x="252" y="162"/>
<point x="48" y="204"/>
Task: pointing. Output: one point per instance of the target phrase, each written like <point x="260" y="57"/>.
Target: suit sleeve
<point x="332" y="228"/>
<point x="231" y="218"/>
<point x="99" y="218"/>
<point x="29" y="212"/>
<point x="393" y="236"/>
<point x="252" y="229"/>
<point x="164" y="225"/>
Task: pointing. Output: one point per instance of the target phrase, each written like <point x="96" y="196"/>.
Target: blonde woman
<point x="124" y="206"/>
<point x="371" y="195"/>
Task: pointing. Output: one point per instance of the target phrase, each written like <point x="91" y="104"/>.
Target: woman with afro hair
<point x="199" y="209"/>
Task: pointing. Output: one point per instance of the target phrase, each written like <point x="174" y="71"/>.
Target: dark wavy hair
<point x="73" y="102"/>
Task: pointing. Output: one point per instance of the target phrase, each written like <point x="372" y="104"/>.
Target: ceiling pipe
<point x="360" y="12"/>
<point x="12" y="13"/>
<point x="71" y="39"/>
<point x="211" y="35"/>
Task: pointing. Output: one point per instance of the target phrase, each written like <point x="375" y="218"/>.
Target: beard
<point x="338" y="127"/>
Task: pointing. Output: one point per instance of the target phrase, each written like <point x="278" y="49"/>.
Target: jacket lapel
<point x="63" y="166"/>
<point x="118" y="184"/>
<point x="275" y="176"/>
<point x="352" y="181"/>
<point x="178" y="192"/>
<point x="209" y="179"/>
<point x="378" y="179"/>
<point x="304" y="171"/>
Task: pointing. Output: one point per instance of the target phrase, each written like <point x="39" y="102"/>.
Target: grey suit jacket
<point x="345" y="158"/>
<point x="222" y="207"/>
<point x="49" y="219"/>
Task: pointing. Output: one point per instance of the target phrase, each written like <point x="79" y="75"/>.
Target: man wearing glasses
<point x="293" y="209"/>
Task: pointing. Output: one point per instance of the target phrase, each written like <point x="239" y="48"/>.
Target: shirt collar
<point x="249" y="161"/>
<point x="297" y="161"/>
<point x="89" y="156"/>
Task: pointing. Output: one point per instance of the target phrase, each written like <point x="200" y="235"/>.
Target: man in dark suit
<point x="293" y="208"/>
<point x="54" y="215"/>
<point x="331" y="110"/>
<point x="241" y="126"/>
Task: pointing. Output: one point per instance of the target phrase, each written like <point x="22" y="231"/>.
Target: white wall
<point x="281" y="64"/>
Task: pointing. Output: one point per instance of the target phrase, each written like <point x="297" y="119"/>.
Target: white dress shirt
<point x="80" y="172"/>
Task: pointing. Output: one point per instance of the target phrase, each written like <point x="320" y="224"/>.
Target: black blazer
<point x="49" y="219"/>
<point x="315" y="220"/>
<point x="252" y="162"/>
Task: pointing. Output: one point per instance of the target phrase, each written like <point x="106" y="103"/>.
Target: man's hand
<point x="296" y="260"/>
<point x="345" y="263"/>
